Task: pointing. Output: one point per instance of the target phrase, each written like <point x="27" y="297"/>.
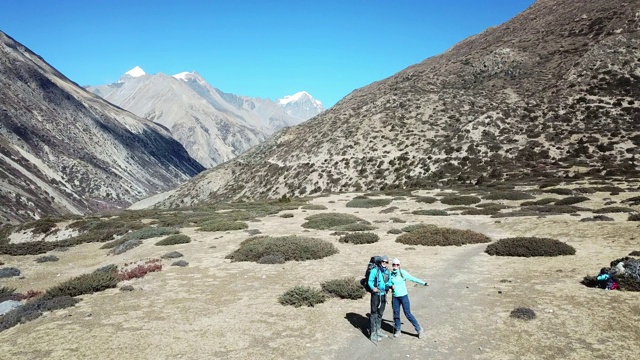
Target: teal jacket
<point x="399" y="282"/>
<point x="380" y="272"/>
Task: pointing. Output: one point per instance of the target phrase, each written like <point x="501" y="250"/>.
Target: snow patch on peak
<point x="185" y="75"/>
<point x="136" y="72"/>
<point x="296" y="97"/>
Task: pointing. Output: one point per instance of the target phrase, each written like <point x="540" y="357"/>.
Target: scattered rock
<point x="181" y="263"/>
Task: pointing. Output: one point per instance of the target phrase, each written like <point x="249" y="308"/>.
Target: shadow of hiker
<point x="362" y="323"/>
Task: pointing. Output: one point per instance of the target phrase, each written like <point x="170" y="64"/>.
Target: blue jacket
<point x="380" y="272"/>
<point x="399" y="282"/>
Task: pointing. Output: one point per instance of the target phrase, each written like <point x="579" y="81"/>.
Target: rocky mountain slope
<point x="212" y="125"/>
<point x="64" y="150"/>
<point x="552" y="92"/>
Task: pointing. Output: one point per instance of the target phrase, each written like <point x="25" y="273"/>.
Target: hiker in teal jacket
<point x="380" y="281"/>
<point x="399" y="279"/>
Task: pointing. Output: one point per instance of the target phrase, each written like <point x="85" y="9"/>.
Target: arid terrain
<point x="215" y="308"/>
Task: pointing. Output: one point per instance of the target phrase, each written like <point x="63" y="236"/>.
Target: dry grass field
<point x="215" y="308"/>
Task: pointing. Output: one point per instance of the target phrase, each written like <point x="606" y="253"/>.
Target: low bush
<point x="388" y="210"/>
<point x="634" y="217"/>
<point x="493" y="206"/>
<point x="584" y="190"/>
<point x="174" y="240"/>
<point x="180" y="263"/>
<point x="150" y="232"/>
<point x="139" y="270"/>
<point x="529" y="246"/>
<point x="436" y="236"/>
<point x="330" y="220"/>
<point x="508" y="195"/>
<point x="47" y="258"/>
<point x="571" y="200"/>
<point x="224" y="226"/>
<point x="360" y="238"/>
<point x="394" y="231"/>
<point x="8" y="272"/>
<point x="523" y="313"/>
<point x="286" y="215"/>
<point x="418" y="227"/>
<point x="426" y="199"/>
<point x="459" y="208"/>
<point x="302" y="296"/>
<point x="613" y="209"/>
<point x="83" y="284"/>
<point x="125" y="246"/>
<point x="559" y="191"/>
<point x="172" y="255"/>
<point x="345" y="288"/>
<point x="296" y="248"/>
<point x="609" y="189"/>
<point x="272" y="259"/>
<point x="368" y="203"/>
<point x="596" y="218"/>
<point x="635" y="253"/>
<point x="33" y="310"/>
<point x="460" y="200"/>
<point x="480" y="212"/>
<point x="430" y="212"/>
<point x="313" y="207"/>
<point x="126" y="288"/>
<point x="543" y="201"/>
<point x="397" y="220"/>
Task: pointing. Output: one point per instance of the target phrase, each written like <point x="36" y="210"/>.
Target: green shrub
<point x="174" y="240"/>
<point x="559" y="191"/>
<point x="83" y="284"/>
<point x="543" y="201"/>
<point x="459" y="208"/>
<point x="7" y="272"/>
<point x="596" y="218"/>
<point x="436" y="236"/>
<point x="47" y="258"/>
<point x="328" y="221"/>
<point x="634" y="217"/>
<point x="572" y="200"/>
<point x="286" y="215"/>
<point x="224" y="226"/>
<point x="42" y="226"/>
<point x="394" y="231"/>
<point x="480" y="212"/>
<point x="523" y="313"/>
<point x="508" y="195"/>
<point x="493" y="206"/>
<point x="396" y="220"/>
<point x="150" y="232"/>
<point x="529" y="246"/>
<point x="125" y="246"/>
<point x="430" y="212"/>
<point x="314" y="207"/>
<point x="302" y="296"/>
<point x="426" y="199"/>
<point x="180" y="263"/>
<point x="635" y="253"/>
<point x="271" y="259"/>
<point x="584" y="190"/>
<point x="389" y="210"/>
<point x="33" y="310"/>
<point x="345" y="288"/>
<point x="609" y="189"/>
<point x="290" y="247"/>
<point x="418" y="227"/>
<point x="613" y="209"/>
<point x="172" y="255"/>
<point x="460" y="200"/>
<point x="359" y="238"/>
<point x="368" y="203"/>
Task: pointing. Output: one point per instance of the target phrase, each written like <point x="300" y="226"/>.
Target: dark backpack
<point x="373" y="263"/>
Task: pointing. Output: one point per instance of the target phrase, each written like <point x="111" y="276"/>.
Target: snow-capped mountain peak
<point x="187" y="76"/>
<point x="136" y="72"/>
<point x="295" y="97"/>
<point x="301" y="105"/>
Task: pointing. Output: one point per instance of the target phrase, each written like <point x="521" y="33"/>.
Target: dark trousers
<point x="403" y="301"/>
<point x="378" y="303"/>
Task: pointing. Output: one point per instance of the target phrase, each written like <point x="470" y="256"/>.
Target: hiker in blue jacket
<point x="380" y="281"/>
<point x="399" y="279"/>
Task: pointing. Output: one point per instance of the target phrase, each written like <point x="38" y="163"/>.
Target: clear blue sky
<point x="264" y="48"/>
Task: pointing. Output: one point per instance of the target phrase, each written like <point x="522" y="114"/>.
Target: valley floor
<point x="217" y="309"/>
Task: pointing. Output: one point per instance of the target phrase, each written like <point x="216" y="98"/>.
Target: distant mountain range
<point x="554" y="92"/>
<point x="212" y="125"/>
<point x="64" y="150"/>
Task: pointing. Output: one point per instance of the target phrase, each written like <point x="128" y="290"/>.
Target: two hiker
<point x="380" y="280"/>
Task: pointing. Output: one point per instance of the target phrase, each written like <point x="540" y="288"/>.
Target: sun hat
<point x="396" y="261"/>
<point x="384" y="258"/>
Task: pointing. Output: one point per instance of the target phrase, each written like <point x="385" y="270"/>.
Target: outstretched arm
<point x="412" y="278"/>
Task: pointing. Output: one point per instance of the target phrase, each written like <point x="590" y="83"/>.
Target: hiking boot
<point x="375" y="338"/>
<point x="381" y="334"/>
<point x="397" y="334"/>
<point x="420" y="334"/>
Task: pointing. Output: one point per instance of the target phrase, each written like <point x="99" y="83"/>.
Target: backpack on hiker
<point x="373" y="264"/>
